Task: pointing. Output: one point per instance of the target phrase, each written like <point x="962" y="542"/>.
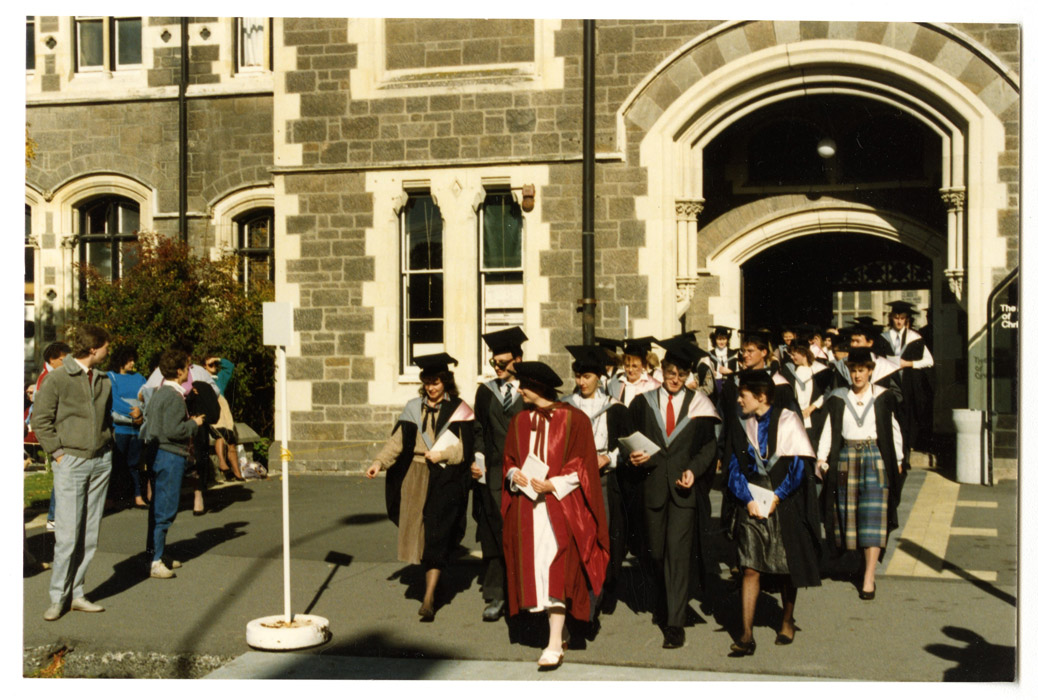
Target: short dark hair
<point x="184" y="345"/>
<point x="55" y="350"/>
<point x="87" y="338"/>
<point x="671" y="363"/>
<point x="760" y="388"/>
<point x="449" y="385"/>
<point x="541" y="389"/>
<point x="120" y="356"/>
<point x="171" y="362"/>
<point x="851" y="364"/>
<point x="803" y="348"/>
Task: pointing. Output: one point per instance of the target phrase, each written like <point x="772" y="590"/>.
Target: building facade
<point x="412" y="183"/>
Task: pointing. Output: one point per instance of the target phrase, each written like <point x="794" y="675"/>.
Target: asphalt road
<point x="951" y="614"/>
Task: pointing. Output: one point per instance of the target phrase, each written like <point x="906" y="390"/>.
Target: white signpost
<point x="288" y="631"/>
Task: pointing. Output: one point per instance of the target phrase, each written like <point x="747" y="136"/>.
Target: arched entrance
<point x="830" y="278"/>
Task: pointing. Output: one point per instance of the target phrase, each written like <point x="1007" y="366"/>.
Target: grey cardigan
<point x="71" y="415"/>
<point x="168" y="422"/>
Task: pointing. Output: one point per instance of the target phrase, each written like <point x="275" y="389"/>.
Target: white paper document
<point x="445" y="442"/>
<point x="762" y="496"/>
<point x="481" y="464"/>
<point x="637" y="442"/>
<point x="533" y="468"/>
<point x="134" y="403"/>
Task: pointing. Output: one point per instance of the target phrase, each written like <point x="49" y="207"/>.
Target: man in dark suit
<point x="496" y="402"/>
<point x="681" y="423"/>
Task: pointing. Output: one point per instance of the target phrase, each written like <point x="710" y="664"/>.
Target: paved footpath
<point x="946" y="605"/>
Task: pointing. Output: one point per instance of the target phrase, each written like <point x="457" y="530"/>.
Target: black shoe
<point x="673" y="637"/>
<point x="494" y="610"/>
<point x="783" y="639"/>
<point x="426" y="614"/>
<point x="743" y="648"/>
<point x="867" y="595"/>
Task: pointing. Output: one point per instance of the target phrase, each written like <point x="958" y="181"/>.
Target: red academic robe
<point x="578" y="520"/>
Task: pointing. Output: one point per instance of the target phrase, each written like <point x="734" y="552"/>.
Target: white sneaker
<point x="159" y="570"/>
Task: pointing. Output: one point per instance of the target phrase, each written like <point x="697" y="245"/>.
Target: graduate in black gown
<point x="609" y="423"/>
<point x="909" y="352"/>
<point x="496" y="402"/>
<point x="772" y="452"/>
<point x="427" y="478"/>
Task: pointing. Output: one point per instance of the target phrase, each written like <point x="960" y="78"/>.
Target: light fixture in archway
<point x="827" y="148"/>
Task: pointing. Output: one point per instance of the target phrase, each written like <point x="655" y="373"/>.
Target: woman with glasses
<point x="426" y="458"/>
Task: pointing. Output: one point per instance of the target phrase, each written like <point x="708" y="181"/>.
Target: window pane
<point x="99" y="254"/>
<point x="30" y="45"/>
<point x="250" y="39"/>
<point x="129" y="256"/>
<point x="91" y="43"/>
<point x="128" y="41"/>
<point x="426" y="337"/>
<point x="423" y="233"/>
<point x="502" y="231"/>
<point x="129" y="219"/>
<point x="425" y="296"/>
<point x="30" y="257"/>
<point x="864" y="301"/>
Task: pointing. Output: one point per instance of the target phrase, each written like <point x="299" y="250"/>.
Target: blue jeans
<point x="126" y="458"/>
<point x="82" y="484"/>
<point x="168" y="473"/>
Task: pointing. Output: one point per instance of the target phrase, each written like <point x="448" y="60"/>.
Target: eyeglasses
<point x="500" y="364"/>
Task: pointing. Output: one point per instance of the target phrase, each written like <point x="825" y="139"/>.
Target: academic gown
<point x="917" y="394"/>
<point x="821" y="380"/>
<point x="446" y="491"/>
<point x="490" y="429"/>
<point x="798" y="513"/>
<point x="617" y="425"/>
<point x="577" y="520"/>
<point x="885" y="408"/>
<point x="677" y="519"/>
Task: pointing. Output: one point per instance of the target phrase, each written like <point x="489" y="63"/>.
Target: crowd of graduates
<point x="800" y="428"/>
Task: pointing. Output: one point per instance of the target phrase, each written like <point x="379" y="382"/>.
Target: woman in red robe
<point x="556" y="548"/>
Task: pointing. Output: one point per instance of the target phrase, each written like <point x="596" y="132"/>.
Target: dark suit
<point x="489" y="436"/>
<point x="675" y="517"/>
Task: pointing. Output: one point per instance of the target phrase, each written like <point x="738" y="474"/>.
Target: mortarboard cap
<point x="681" y="353"/>
<point x="857" y="356"/>
<point x="901" y="307"/>
<point x="754" y="376"/>
<point x="865" y="320"/>
<point x="721" y="330"/>
<point x="434" y="364"/>
<point x="760" y="337"/>
<point x="609" y="343"/>
<point x="588" y="358"/>
<point x="690" y="336"/>
<point x="639" y="347"/>
<point x="537" y="372"/>
<point x="507" y="340"/>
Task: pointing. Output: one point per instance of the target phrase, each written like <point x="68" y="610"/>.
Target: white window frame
<point x="488" y="190"/>
<point x="252" y="213"/>
<point x="407" y="367"/>
<point x="109" y="44"/>
<point x="239" y="48"/>
<point x="115" y="44"/>
<point x="30" y="21"/>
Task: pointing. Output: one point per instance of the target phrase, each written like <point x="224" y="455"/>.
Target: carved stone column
<point x="686" y="213"/>
<point x="954" y="199"/>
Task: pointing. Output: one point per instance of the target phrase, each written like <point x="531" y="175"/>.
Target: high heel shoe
<point x="867" y="595"/>
<point x="783" y="639"/>
<point x="426" y="614"/>
<point x="740" y="648"/>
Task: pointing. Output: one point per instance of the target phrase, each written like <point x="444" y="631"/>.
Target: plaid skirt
<point x="861" y="496"/>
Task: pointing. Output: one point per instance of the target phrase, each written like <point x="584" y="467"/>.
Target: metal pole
<point x="283" y="385"/>
<point x="182" y="126"/>
<point x="588" y="302"/>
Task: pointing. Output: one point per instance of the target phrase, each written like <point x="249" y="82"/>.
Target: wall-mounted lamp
<point x="528" y="193"/>
<point x="827" y="148"/>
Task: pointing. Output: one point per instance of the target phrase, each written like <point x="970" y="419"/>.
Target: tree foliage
<point x="170" y="294"/>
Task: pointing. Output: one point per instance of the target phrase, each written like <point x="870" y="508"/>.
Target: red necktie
<point x="90" y="378"/>
<point x="670" y="414"/>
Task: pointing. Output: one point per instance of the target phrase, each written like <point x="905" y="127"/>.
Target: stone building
<point x="420" y="182"/>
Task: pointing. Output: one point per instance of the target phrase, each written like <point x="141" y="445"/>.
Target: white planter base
<point x="273" y="634"/>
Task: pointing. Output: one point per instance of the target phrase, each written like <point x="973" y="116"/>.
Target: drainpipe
<point x="588" y="302"/>
<point x="182" y="124"/>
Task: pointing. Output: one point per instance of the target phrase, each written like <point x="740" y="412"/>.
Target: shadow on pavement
<point x="936" y="563"/>
<point x="457" y="577"/>
<point x="364" y="518"/>
<point x="338" y="559"/>
<point x="134" y="569"/>
<point x="978" y="661"/>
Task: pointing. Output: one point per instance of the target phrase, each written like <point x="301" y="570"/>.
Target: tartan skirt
<point x="862" y="492"/>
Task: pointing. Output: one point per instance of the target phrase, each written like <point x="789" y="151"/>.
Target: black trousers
<point x="489" y="528"/>
<point x="619" y="528"/>
<point x="670" y="538"/>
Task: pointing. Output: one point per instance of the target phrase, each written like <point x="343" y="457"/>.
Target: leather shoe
<point x="783" y="639"/>
<point x="743" y="648"/>
<point x="867" y="595"/>
<point x="673" y="637"/>
<point x="426" y="614"/>
<point x="84" y="605"/>
<point x="55" y="611"/>
<point x="494" y="610"/>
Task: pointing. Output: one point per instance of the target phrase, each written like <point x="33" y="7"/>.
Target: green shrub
<point x="170" y="294"/>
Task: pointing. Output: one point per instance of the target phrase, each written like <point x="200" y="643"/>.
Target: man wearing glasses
<point x="497" y="400"/>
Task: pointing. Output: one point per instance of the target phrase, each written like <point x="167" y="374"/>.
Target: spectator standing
<point x="127" y="418"/>
<point x="223" y="431"/>
<point x="170" y="426"/>
<point x="72" y="419"/>
<point x="53" y="357"/>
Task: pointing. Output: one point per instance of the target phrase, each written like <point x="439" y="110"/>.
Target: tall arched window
<point x="107" y="227"/>
<point x="255" y="248"/>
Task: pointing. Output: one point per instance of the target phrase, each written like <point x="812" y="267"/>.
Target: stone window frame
<point x="227" y="211"/>
<point x="496" y="186"/>
<point x="109" y="45"/>
<point x="371" y="80"/>
<point x="113" y="238"/>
